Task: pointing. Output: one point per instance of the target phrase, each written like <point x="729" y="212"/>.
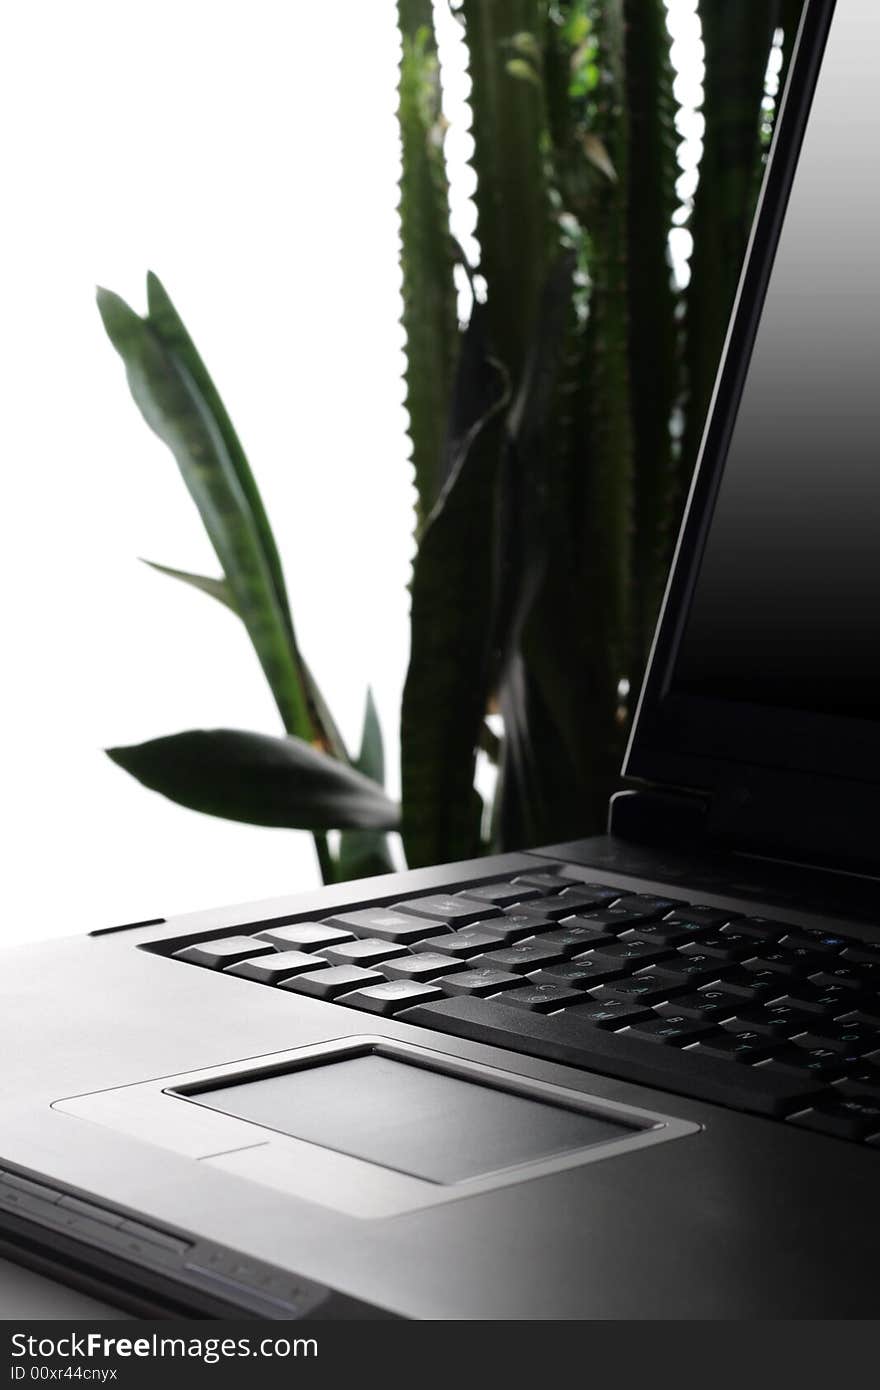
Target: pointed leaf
<point x="258" y="779"/>
<point x="215" y="588"/>
<point x="363" y="853"/>
<point x="175" y="410"/>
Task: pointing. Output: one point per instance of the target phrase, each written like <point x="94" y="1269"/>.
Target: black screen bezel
<point x="692" y="741"/>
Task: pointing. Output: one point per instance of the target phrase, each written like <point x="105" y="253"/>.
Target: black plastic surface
<point x="407" y="1118"/>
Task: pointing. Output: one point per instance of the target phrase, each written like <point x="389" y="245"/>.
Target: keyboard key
<point x="647" y="989"/>
<point x="709" y="1006"/>
<point x="366" y="953"/>
<point x="860" y="1078"/>
<point x="304" y="936"/>
<point x="573" y="901"/>
<point x="613" y="919"/>
<point x="672" y="1028"/>
<point x="752" y="984"/>
<point x="542" y="998"/>
<point x="390" y="997"/>
<point x="582" y="974"/>
<point x="516" y="926"/>
<point x="706" y="916"/>
<point x="331" y="981"/>
<point x="471" y="941"/>
<point x="479" y="980"/>
<point x="737" y="1047"/>
<point x="851" y="1039"/>
<point x="270" y="970"/>
<point x="216" y="955"/>
<point x="862" y="951"/>
<point x="762" y="928"/>
<point x="500" y="894"/>
<point x="569" y="1037"/>
<point x="851" y="1117"/>
<point x="827" y="1000"/>
<point x="850" y="975"/>
<point x="666" y="932"/>
<point x="385" y="925"/>
<point x="577" y="935"/>
<point x="521" y="957"/>
<point x="720" y="946"/>
<point x="649" y="905"/>
<point x="600" y="893"/>
<point x="774" y="1020"/>
<point x="866" y="1012"/>
<point x="420" y="967"/>
<point x="822" y="942"/>
<point x="544" y="882"/>
<point x="791" y="964"/>
<point x="447" y="908"/>
<point x="609" y="1013"/>
<point x="820" y="1062"/>
<point x="691" y="968"/>
<point x="629" y="954"/>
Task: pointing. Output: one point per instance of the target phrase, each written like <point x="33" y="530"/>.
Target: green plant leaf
<point x="170" y="329"/>
<point x="447" y="683"/>
<point x="258" y="779"/>
<point x="363" y="853"/>
<point x="174" y="408"/>
<point x="215" y="588"/>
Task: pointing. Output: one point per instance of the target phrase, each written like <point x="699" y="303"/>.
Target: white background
<point x="248" y="153"/>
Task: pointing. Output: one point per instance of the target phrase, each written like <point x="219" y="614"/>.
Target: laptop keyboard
<point x="744" y="1012"/>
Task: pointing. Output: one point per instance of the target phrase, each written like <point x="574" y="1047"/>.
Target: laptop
<point x="634" y="1076"/>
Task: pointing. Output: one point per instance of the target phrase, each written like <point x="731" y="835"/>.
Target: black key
<point x="580" y="974"/>
<point x="649" y="905"/>
<point x="672" y="1028"/>
<point x="692" y="968"/>
<point x="369" y="952"/>
<point x="522" y="957"/>
<point x="774" y="1020"/>
<point x="849" y="974"/>
<point x="304" y="936"/>
<point x="737" y="1047"/>
<point x="390" y="997"/>
<point x="516" y="926"/>
<point x="500" y="894"/>
<point x="820" y="1062"/>
<point x="331" y="981"/>
<point x="600" y="893"/>
<point x="447" y="908"/>
<point x="827" y="1000"/>
<point x="542" y="998"/>
<point x="862" y="951"/>
<point x="612" y="919"/>
<point x="270" y="970"/>
<point x="382" y="923"/>
<point x="634" y="954"/>
<point x="850" y="1117"/>
<point x="851" y="1039"/>
<point x="862" y="1077"/>
<point x="471" y="941"/>
<point x="752" y="984"/>
<point x="577" y="935"/>
<point x="721" y="947"/>
<point x="867" y="1012"/>
<point x="762" y="928"/>
<point x="216" y="955"/>
<point x="708" y="1005"/>
<point x="420" y="967"/>
<point x="571" y="902"/>
<point x="570" y="1037"/>
<point x="480" y="981"/>
<point x="708" y="916"/>
<point x="647" y="989"/>
<point x="792" y="964"/>
<point x="822" y="942"/>
<point x="666" y="932"/>
<point x="610" y="1013"/>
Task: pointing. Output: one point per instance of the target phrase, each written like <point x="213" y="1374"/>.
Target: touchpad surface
<point x="425" y="1123"/>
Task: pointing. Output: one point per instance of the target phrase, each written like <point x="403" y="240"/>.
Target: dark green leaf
<point x="174" y="408"/>
<point x="215" y="588"/>
<point x="259" y="779"/>
<point x="363" y="853"/>
<point x="447" y="684"/>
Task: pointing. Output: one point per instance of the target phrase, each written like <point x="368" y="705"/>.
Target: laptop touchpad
<point x="425" y="1123"/>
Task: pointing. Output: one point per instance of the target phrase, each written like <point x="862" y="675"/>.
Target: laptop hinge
<point x="650" y="816"/>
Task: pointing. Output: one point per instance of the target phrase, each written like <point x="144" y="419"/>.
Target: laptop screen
<point x="786" y="607"/>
